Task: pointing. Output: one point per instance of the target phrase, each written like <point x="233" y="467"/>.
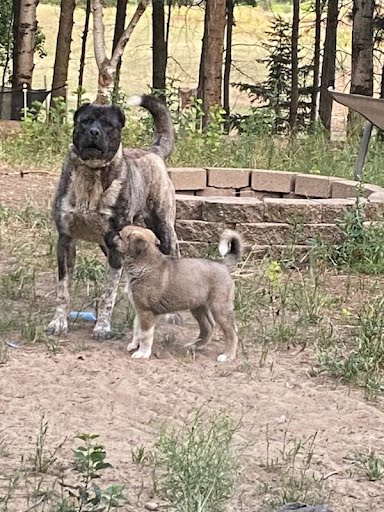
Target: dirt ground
<point x="95" y="387"/>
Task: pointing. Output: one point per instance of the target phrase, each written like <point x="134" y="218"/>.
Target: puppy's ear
<point x="79" y="111"/>
<point x="119" y="115"/>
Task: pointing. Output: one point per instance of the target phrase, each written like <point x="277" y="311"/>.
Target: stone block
<point x="335" y="209"/>
<point x="188" y="178"/>
<point x="188" y="207"/>
<point x="308" y="232"/>
<point x="247" y="192"/>
<point x="374" y="207"/>
<point x="233" y="209"/>
<point x="292" y="211"/>
<point x="200" y="231"/>
<point x="273" y="181"/>
<point x="216" y="192"/>
<point x="265" y="233"/>
<point x="194" y="249"/>
<point x="345" y="189"/>
<point x="228" y="178"/>
<point x="313" y="186"/>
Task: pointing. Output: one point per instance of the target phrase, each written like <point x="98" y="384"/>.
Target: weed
<point x="370" y="464"/>
<point x="87" y="495"/>
<point x="43" y="458"/>
<point x="197" y="465"/>
<point x="361" y="246"/>
<point x="360" y="359"/>
<point x="17" y="284"/>
<point x="33" y="329"/>
<point x="297" y="481"/>
<point x="3" y="352"/>
<point x="140" y="455"/>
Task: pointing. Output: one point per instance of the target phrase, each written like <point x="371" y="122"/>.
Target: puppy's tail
<point x="230" y="247"/>
<point x="165" y="135"/>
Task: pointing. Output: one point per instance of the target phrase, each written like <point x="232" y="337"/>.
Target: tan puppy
<point x="159" y="284"/>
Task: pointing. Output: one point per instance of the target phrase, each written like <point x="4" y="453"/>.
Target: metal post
<point x="46" y="100"/>
<point x="66" y="101"/>
<point x="367" y="131"/>
<point x="25" y="100"/>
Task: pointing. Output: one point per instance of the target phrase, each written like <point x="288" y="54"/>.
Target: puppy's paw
<point x="59" y="325"/>
<point x="102" y="332"/>
<point x="132" y="346"/>
<point x="174" y="318"/>
<point x="225" y="358"/>
<point x="141" y="354"/>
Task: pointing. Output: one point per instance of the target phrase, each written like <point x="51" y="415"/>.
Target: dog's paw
<point x="59" y="325"/>
<point x="102" y="332"/>
<point x="141" y="354"/>
<point x="224" y="358"/>
<point x="132" y="346"/>
<point x="174" y="318"/>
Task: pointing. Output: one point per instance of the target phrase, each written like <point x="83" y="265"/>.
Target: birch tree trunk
<point x="25" y="46"/>
<point x="107" y="66"/>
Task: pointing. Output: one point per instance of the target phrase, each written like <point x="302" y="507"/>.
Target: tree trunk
<point x="228" y="61"/>
<point x="121" y="14"/>
<point x="83" y="51"/>
<point x="328" y="69"/>
<point x="107" y="67"/>
<point x="202" y="58"/>
<point x="16" y="41"/>
<point x="63" y="49"/>
<point x="316" y="62"/>
<point x="294" y="103"/>
<point x="159" y="48"/>
<point x="26" y="35"/>
<point x="362" y="54"/>
<point x="212" y="55"/>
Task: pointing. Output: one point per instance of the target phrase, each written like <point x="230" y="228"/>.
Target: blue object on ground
<point x="88" y="316"/>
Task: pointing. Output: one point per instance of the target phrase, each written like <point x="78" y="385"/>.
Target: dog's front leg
<point x="66" y="255"/>
<point x="102" y="330"/>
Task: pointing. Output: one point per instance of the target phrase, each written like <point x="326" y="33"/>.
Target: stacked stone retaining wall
<point x="271" y="209"/>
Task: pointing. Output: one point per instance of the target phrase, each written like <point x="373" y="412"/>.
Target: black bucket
<point x="12" y="102"/>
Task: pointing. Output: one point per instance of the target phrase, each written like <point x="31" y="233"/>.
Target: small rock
<point x="302" y="507"/>
<point x="282" y="419"/>
<point x="151" y="505"/>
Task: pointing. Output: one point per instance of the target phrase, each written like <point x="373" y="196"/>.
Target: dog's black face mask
<point x="97" y="131"/>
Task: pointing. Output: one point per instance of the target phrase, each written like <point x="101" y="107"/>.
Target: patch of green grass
<point x="361" y="246"/>
<point x="197" y="466"/>
<point x="370" y="465"/>
<point x="294" y="471"/>
<point x="359" y="358"/>
<point x="47" y="483"/>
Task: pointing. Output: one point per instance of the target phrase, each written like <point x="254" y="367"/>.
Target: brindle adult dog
<point x="103" y="188"/>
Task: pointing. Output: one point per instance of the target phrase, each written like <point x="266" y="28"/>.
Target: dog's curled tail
<point x="230" y="247"/>
<point x="165" y="135"/>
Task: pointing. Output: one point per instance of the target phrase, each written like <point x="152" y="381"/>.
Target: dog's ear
<point x="79" y="111"/>
<point x="120" y="116"/>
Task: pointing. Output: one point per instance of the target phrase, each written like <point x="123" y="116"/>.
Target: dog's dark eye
<point x="86" y="121"/>
<point x="107" y="123"/>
